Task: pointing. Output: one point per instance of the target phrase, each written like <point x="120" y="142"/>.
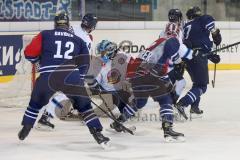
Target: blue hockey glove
<point x="214" y="58"/>
<point x="217" y="38"/>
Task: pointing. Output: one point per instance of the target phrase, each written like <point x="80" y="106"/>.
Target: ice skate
<point x="180" y="107"/>
<point x="44" y="123"/>
<point x="195" y="112"/>
<point x="177" y="116"/>
<point x="115" y="126"/>
<point x="100" y="138"/>
<point x="170" y="135"/>
<point x="23" y="133"/>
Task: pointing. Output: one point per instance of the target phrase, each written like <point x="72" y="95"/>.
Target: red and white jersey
<point x="173" y="29"/>
<point x="85" y="36"/>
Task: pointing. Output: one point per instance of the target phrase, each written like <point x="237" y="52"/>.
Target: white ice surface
<point x="214" y="137"/>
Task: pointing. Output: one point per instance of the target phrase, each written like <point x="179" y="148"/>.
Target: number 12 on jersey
<point x="70" y="48"/>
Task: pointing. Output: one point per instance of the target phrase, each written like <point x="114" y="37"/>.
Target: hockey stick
<point x="222" y="48"/>
<point x="214" y="75"/>
<point x="105" y="103"/>
<point x="113" y="118"/>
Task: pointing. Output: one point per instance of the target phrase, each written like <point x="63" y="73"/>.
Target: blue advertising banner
<point x="32" y="10"/>
<point x="10" y="54"/>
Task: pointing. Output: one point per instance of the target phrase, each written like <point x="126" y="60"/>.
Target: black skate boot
<point x="195" y="112"/>
<point x="23" y="133"/>
<point x="119" y="128"/>
<point x="180" y="107"/>
<point x="170" y="135"/>
<point x="116" y="126"/>
<point x="99" y="137"/>
<point x="44" y="123"/>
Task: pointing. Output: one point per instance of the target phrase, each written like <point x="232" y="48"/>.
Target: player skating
<point x="52" y="48"/>
<point x="196" y="36"/>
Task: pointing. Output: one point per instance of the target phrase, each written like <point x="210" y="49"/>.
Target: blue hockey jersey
<point x="197" y="31"/>
<point x="52" y="48"/>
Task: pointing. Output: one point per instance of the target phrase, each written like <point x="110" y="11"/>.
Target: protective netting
<point x="16" y="92"/>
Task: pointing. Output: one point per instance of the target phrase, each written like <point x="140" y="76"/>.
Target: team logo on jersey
<point x="121" y="60"/>
<point x="113" y="76"/>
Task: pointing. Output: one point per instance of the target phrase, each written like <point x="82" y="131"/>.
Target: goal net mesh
<point x="16" y="92"/>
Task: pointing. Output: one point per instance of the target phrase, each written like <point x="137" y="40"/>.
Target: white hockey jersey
<point x="113" y="73"/>
<point x="85" y="36"/>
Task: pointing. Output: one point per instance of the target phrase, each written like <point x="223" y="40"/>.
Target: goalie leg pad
<point x="59" y="105"/>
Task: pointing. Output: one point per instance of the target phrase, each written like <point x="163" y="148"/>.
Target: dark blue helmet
<point x="175" y="15"/>
<point x="61" y="20"/>
<point x="193" y="12"/>
<point x="89" y="21"/>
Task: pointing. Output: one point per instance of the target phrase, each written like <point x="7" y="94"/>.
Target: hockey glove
<point x="214" y="58"/>
<point x="217" y="38"/>
<point x="179" y="70"/>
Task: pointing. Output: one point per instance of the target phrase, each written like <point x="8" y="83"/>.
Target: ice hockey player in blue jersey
<point x="196" y="36"/>
<point x="88" y="24"/>
<point x="53" y="49"/>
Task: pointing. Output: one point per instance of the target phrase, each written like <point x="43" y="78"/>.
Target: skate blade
<point x="105" y="145"/>
<point x="111" y="130"/>
<point x="179" y="118"/>
<point x="195" y="116"/>
<point x="179" y="139"/>
<point x="44" y="128"/>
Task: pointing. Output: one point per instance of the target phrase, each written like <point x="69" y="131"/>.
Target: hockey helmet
<point x="193" y="12"/>
<point x="107" y="50"/>
<point x="61" y="20"/>
<point x="175" y="15"/>
<point x="89" y="21"/>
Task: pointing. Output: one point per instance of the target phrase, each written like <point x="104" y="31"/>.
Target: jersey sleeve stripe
<point x="187" y="53"/>
<point x="209" y="24"/>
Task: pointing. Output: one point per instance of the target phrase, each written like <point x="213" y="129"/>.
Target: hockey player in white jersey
<point x="88" y="24"/>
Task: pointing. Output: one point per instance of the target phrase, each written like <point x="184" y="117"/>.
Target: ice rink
<point x="216" y="136"/>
